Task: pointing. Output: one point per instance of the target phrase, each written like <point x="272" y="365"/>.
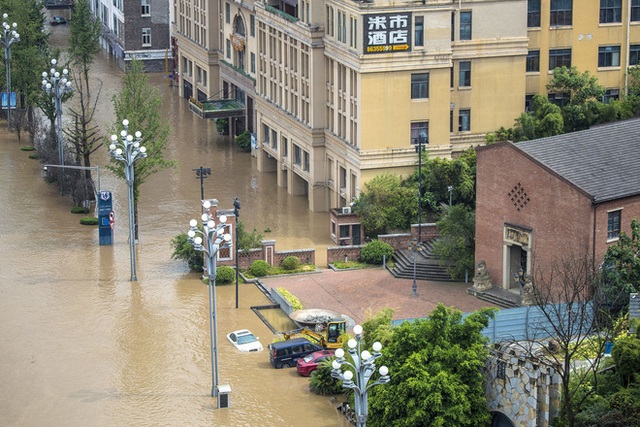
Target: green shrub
<point x="243" y="141"/>
<point x="89" y="220"/>
<point x="183" y="249"/>
<point x="222" y="126"/>
<point x="291" y="263"/>
<point x="33" y="156"/>
<point x="28" y="148"/>
<point x="259" y="268"/>
<point x="375" y="251"/>
<point x="79" y="210"/>
<point x="225" y="274"/>
<point x="322" y="382"/>
<point x="291" y="299"/>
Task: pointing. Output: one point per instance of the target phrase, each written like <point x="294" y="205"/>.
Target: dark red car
<point x="310" y="362"/>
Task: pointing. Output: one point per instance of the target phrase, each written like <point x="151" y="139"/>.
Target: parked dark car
<point x="58" y="20"/>
<point x="285" y="354"/>
<point x="310" y="362"/>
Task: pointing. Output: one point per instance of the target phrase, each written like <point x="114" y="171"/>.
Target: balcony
<point x="217" y="109"/>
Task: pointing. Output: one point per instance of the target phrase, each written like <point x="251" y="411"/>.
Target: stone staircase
<point x="427" y="265"/>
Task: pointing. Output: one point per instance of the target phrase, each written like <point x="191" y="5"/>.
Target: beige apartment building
<point x="339" y="91"/>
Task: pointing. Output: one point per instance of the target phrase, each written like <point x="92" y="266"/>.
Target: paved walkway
<point x="360" y="293"/>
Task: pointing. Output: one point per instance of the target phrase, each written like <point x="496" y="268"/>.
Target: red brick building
<point x="539" y="200"/>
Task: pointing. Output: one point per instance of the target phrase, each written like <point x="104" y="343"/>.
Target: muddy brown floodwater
<point x="81" y="345"/>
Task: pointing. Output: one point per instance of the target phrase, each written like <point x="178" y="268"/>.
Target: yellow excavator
<point x="327" y="334"/>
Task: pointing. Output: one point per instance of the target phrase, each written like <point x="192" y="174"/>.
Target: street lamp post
<point x="201" y="174"/>
<point x="8" y="36"/>
<point x="128" y="151"/>
<point x="450" y="189"/>
<point x="413" y="247"/>
<point x="96" y="187"/>
<point x="364" y="366"/>
<point x="422" y="139"/>
<point x="236" y="212"/>
<point x="57" y="85"/>
<point x="215" y="239"/>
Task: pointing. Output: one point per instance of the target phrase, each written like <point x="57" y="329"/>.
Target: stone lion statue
<point x="482" y="281"/>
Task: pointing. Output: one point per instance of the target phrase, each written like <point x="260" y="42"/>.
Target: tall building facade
<point x="135" y="29"/>
<point x="337" y="92"/>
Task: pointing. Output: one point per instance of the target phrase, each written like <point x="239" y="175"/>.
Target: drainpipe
<point x="593" y="244"/>
<point x="628" y="47"/>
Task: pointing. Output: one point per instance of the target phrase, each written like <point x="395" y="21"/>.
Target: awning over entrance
<point x="217" y="109"/>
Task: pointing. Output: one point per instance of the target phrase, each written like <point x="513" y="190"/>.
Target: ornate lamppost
<point x="363" y="367"/>
<point x="127" y="151"/>
<point x="210" y="239"/>
<point x="57" y="85"/>
<point x="413" y="247"/>
<point x="236" y="212"/>
<point x="8" y="36"/>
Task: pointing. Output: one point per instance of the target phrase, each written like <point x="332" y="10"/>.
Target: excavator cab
<point x="335" y="329"/>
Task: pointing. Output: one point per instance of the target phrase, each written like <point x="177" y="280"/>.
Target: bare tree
<point x="575" y="327"/>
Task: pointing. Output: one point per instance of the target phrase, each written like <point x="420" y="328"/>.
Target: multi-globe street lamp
<point x="57" y="84"/>
<point x="128" y="151"/>
<point x="210" y="238"/>
<point x="363" y="367"/>
<point x="8" y="36"/>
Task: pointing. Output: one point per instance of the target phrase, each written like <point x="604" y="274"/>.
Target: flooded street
<point x="82" y="345"/>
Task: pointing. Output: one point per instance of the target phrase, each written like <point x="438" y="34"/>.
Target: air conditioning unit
<point x="346" y="210"/>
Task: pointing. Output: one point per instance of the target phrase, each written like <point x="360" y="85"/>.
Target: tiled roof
<point x="603" y="161"/>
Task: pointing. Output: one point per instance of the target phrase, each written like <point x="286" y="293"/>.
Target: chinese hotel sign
<point x="387" y="32"/>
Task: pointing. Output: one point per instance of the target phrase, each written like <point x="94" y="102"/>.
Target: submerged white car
<point x="244" y="340"/>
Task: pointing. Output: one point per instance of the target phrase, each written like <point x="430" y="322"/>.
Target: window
<point x="609" y="56"/>
<point x="464" y="121"/>
<point x="635" y="10"/>
<point x="145" y="6"/>
<point x="465" y="25"/>
<point x="465" y="74"/>
<point x="451" y="77"/>
<point x="420" y="86"/>
<point x="228" y="49"/>
<point x="613" y="225"/>
<point x="419" y="131"/>
<point x="634" y="54"/>
<point x="274" y="139"/>
<point x="453" y="26"/>
<point x="285" y="147"/>
<point x="610" y="11"/>
<point x="533" y="13"/>
<point x="146" y="37"/>
<point x="610" y="95"/>
<point x="561" y="12"/>
<point x="297" y="155"/>
<point x="528" y="102"/>
<point x="419" y="31"/>
<point x="253" y="62"/>
<point x="252" y="26"/>
<point x="451" y="121"/>
<point x="344" y="231"/>
<point x="305" y="165"/>
<point x="533" y="61"/>
<point x="227" y="13"/>
<point x="559" y="99"/>
<point x="559" y="58"/>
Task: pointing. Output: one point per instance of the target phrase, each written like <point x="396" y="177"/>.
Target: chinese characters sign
<point x="387" y="32"/>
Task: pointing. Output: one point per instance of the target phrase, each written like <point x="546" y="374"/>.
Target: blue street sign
<point x="4" y="100"/>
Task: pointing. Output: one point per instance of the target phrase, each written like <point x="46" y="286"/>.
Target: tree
<point x="568" y="297"/>
<point x="585" y="94"/>
<point x="436" y="373"/>
<point x="622" y="264"/>
<point x="183" y="250"/>
<point x="386" y="204"/>
<point x="456" y="244"/>
<point x="84" y="45"/>
<point x="248" y="240"/>
<point x="29" y="58"/>
<point x="140" y="103"/>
